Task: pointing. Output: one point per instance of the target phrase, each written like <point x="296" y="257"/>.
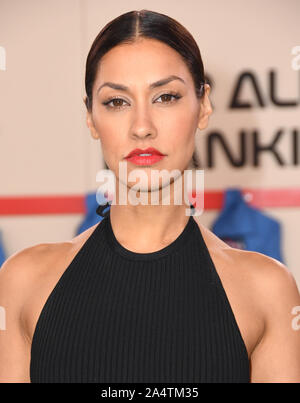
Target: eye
<point x="168" y="96"/>
<point x="117" y="105"/>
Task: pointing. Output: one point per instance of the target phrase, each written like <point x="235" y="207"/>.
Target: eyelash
<point x="176" y="95"/>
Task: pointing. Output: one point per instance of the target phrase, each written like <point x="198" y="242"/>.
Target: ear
<point x="85" y="101"/>
<point x="205" y="109"/>
<point x="90" y="124"/>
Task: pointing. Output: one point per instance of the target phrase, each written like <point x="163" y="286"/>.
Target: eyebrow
<point x="156" y="84"/>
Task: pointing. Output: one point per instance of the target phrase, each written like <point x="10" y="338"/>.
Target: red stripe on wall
<point x="75" y="204"/>
<point x="54" y="204"/>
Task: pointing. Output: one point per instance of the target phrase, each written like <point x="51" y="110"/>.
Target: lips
<point x="138" y="151"/>
<point x="149" y="156"/>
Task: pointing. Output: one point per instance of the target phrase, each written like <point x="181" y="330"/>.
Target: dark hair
<point x="134" y="25"/>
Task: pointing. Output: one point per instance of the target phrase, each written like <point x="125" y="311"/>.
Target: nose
<point x="142" y="123"/>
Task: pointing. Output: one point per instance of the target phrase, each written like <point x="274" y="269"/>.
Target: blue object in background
<point x="92" y="217"/>
<point x="2" y="253"/>
<point x="245" y="227"/>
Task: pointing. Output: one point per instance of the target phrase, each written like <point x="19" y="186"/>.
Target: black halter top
<point x="120" y="316"/>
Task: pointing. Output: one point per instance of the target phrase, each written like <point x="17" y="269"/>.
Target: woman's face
<point x="164" y="117"/>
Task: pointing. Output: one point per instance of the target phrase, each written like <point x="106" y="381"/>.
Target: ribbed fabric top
<point x="120" y="316"/>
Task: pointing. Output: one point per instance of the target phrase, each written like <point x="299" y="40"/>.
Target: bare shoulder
<point x="265" y="300"/>
<point x="26" y="266"/>
<point x="26" y="278"/>
<point x="26" y="263"/>
<point x="271" y="280"/>
<point x="266" y="274"/>
<point x="276" y="301"/>
<point x="268" y="280"/>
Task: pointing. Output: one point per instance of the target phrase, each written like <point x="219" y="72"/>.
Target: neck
<point x="145" y="225"/>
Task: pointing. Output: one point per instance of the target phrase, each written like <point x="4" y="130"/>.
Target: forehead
<point x="141" y="63"/>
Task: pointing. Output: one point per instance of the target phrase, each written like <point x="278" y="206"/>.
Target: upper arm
<point x="15" y="279"/>
<point x="277" y="356"/>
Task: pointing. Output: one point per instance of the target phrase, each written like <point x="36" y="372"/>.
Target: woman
<point x="148" y="294"/>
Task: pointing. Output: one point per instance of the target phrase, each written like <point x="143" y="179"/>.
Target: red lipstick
<point x="148" y="156"/>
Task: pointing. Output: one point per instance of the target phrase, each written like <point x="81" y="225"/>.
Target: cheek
<point x="112" y="150"/>
<point x="109" y="137"/>
<point x="179" y="133"/>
